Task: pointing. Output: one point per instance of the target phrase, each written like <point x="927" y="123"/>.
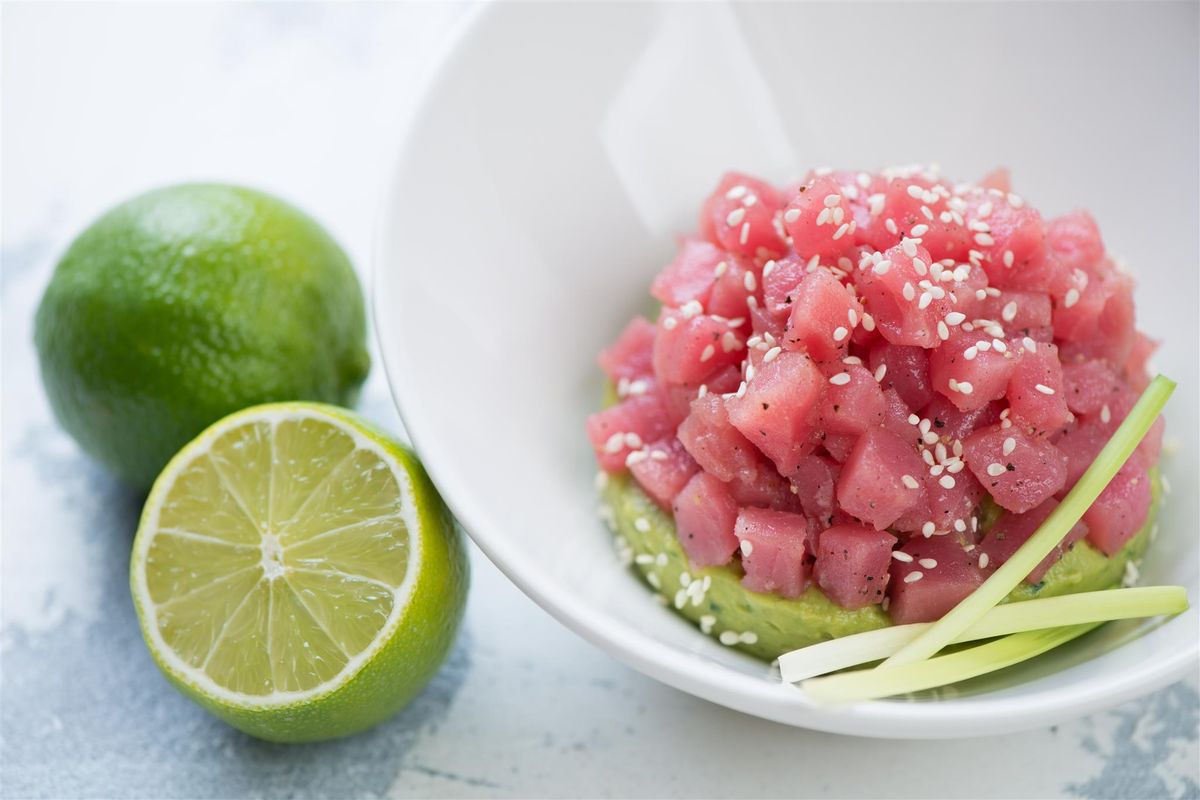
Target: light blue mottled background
<point x="101" y="102"/>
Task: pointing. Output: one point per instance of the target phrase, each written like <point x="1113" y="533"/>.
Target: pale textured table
<point x="101" y="103"/>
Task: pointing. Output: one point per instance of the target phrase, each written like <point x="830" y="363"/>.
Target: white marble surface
<point x="102" y="102"/>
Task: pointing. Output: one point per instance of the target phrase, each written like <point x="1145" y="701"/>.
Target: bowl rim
<point x="970" y="716"/>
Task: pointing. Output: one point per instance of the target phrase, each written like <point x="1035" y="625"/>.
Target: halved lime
<point x="296" y="573"/>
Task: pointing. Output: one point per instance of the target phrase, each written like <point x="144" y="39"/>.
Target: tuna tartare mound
<point x="861" y="394"/>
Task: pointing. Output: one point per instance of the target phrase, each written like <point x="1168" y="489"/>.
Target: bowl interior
<point x="559" y="151"/>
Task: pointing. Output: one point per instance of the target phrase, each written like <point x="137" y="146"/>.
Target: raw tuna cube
<point x="1012" y="530"/>
<point x="1113" y="335"/>
<point x="905" y="369"/>
<point x="1120" y="510"/>
<point x="705" y="514"/>
<point x="737" y="282"/>
<point x="767" y="489"/>
<point x="851" y="403"/>
<point x="896" y="418"/>
<point x="690" y="275"/>
<point x="1081" y="444"/>
<point x="774" y="545"/>
<point x="625" y="427"/>
<point x="1036" y="390"/>
<point x="1015" y="230"/>
<point x="892" y="294"/>
<point x="871" y="486"/>
<point x="852" y="565"/>
<point x="970" y="369"/>
<point x="631" y="356"/>
<point x="940" y="574"/>
<point x="950" y="423"/>
<point x="687" y="349"/>
<point x="1090" y="385"/>
<point x="819" y="221"/>
<point x="663" y="470"/>
<point x="948" y="501"/>
<point x="718" y="447"/>
<point x="1018" y="470"/>
<point x="1016" y="310"/>
<point x="822" y="317"/>
<point x="773" y="412"/>
<point x="780" y="279"/>
<point x="815" y="479"/>
<point x="678" y="398"/>
<point x="763" y="322"/>
<point x="1075" y="239"/>
<point x="838" y="445"/>
<point x="740" y="216"/>
<point x="1137" y="367"/>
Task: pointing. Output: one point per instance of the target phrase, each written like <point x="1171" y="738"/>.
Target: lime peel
<point x="1098" y="475"/>
<point x="1047" y="612"/>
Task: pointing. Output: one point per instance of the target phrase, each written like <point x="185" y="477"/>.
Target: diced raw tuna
<point x="837" y="445"/>
<point x="678" y="398"/>
<point x="688" y="349"/>
<point x="971" y="370"/>
<point x="737" y="282"/>
<point x="663" y="470"/>
<point x="1081" y="444"/>
<point x="629" y="425"/>
<point x="1113" y="335"/>
<point x="1090" y="385"/>
<point x="718" y="447"/>
<point x="763" y="322"/>
<point x="774" y="547"/>
<point x="631" y="356"/>
<point x="740" y="216"/>
<point x="823" y="314"/>
<point x="1137" y="365"/>
<point x="780" y="279"/>
<point x="705" y="515"/>
<point x="1015" y="230"/>
<point x="767" y="489"/>
<point x="947" y="572"/>
<point x="890" y="292"/>
<point x="905" y="369"/>
<point x="1012" y="530"/>
<point x="690" y="275"/>
<point x="850" y="404"/>
<point x="773" y="412"/>
<point x="1019" y="312"/>
<point x="1036" y="390"/>
<point x="819" y="221"/>
<point x="871" y="486"/>
<point x="1018" y="470"/>
<point x="896" y="415"/>
<point x="948" y="421"/>
<point x="948" y="500"/>
<point x="1120" y="510"/>
<point x="1075" y="239"/>
<point x="852" y="564"/>
<point x="815" y="479"/>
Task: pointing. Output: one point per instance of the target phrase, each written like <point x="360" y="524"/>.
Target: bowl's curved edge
<point x="879" y="719"/>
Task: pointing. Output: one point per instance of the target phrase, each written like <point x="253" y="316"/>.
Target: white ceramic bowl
<point x="558" y="150"/>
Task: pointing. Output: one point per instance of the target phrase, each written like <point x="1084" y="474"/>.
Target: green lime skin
<point x="185" y="304"/>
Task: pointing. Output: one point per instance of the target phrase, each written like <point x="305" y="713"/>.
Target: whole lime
<point x="185" y="304"/>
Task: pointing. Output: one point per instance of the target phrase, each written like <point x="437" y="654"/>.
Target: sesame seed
<point x="980" y="294"/>
<point x="708" y="353"/>
<point x="1043" y="388"/>
<point x="928" y="563"/>
<point x="691" y="308"/>
<point x="852" y="316"/>
<point x="943" y="330"/>
<point x="1010" y="444"/>
<point x="1105" y="414"/>
<point x="947" y="482"/>
<point x="736" y="193"/>
<point x="909" y="292"/>
<point x="745" y="233"/>
<point x="842" y="230"/>
<point x="880" y="372"/>
<point x="749" y="281"/>
<point x="983" y="345"/>
<point x="915" y="192"/>
<point x="749" y="637"/>
<point x="999" y="346"/>
<point x="1072" y="297"/>
<point x="985" y="209"/>
<point x="920" y="267"/>
<point x="735" y="217"/>
<point x="960" y="526"/>
<point x="768" y="268"/>
<point x="1029" y="344"/>
<point x="1008" y="258"/>
<point x="841" y="379"/>
<point x="706" y="623"/>
<point x="1015" y="200"/>
<point x="955" y="318"/>
<point x="1009" y="312"/>
<point x="703" y="390"/>
<point x="984" y="239"/>
<point x="919" y="230"/>
<point x="642" y="524"/>
<point x="721" y="269"/>
<point x="643" y="559"/>
<point x="929" y="437"/>
<point x="890" y="224"/>
<point x="902" y="556"/>
<point x="909" y="247"/>
<point x="728" y="638"/>
<point x="653" y="580"/>
<point x="910" y="482"/>
<point x="913" y="419"/>
<point x="914" y="576"/>
<point x="791" y="215"/>
<point x="928" y="528"/>
<point x="669" y="323"/>
<point x="747" y="547"/>
<point x="983" y="560"/>
<point x="868" y="322"/>
<point x="840" y="333"/>
<point x="832" y="200"/>
<point x="771" y="354"/>
<point x="926" y="299"/>
<point x="823" y="217"/>
<point x="965" y="388"/>
<point x="995" y="469"/>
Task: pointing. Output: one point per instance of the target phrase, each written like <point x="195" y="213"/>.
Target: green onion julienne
<point x="1114" y="455"/>
<point x="1044" y="612"/>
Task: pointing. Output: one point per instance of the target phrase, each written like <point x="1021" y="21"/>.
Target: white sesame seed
<point x="909" y="481"/>
<point x="736" y="193"/>
<point x="653" y="579"/>
<point x="691" y="308"/>
<point x="745" y="233"/>
<point x="746" y="546"/>
<point x="947" y="482"/>
<point x="926" y="299"/>
<point x="728" y="638"/>
<point x="928" y="528"/>
<point x="920" y="267"/>
<point x="915" y="192"/>
<point x="840" y="379"/>
<point x="749" y="637"/>
<point x="735" y="217"/>
<point x="890" y="224"/>
<point x="614" y="443"/>
<point x="633" y="440"/>
<point x="955" y="318"/>
<point x="902" y="556"/>
<point x="965" y="388"/>
<point x="1008" y="258"/>
<point x="842" y="230"/>
<point x="929" y="437"/>
<point x="980" y="294"/>
<point x="1009" y="312"/>
<point x="642" y="524"/>
<point x="909" y="247"/>
<point x="1044" y="389"/>
<point x="824" y="216"/>
<point x="669" y="323"/>
<point x="643" y="559"/>
<point x="706" y="623"/>
<point x="1010" y="444"/>
<point x="983" y="345"/>
<point x="840" y="333"/>
<point x="791" y="215"/>
<point x="995" y="469"/>
<point x="771" y="354"/>
<point x="909" y="292"/>
<point x="1029" y="344"/>
<point x="943" y="330"/>
<point x="914" y="576"/>
<point x="970" y="353"/>
<point x="832" y="200"/>
<point x="983" y="560"/>
<point x="880" y="372"/>
<point x="749" y="281"/>
<point x="882" y="267"/>
<point x="984" y="240"/>
<point x="708" y="353"/>
<point x="999" y="346"/>
<point x="960" y="526"/>
<point x="925" y="424"/>
<point x="1105" y="414"/>
<point x="1015" y="200"/>
<point x="852" y="316"/>
<point x="636" y="457"/>
<point x="721" y="269"/>
<point x="928" y="563"/>
<point x="1072" y="297"/>
<point x="868" y="322"/>
<point x="919" y="230"/>
<point x="913" y="419"/>
<point x="768" y="268"/>
<point x="852" y="360"/>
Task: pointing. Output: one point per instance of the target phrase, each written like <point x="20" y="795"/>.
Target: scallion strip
<point x="1047" y="612"/>
<point x="1115" y="453"/>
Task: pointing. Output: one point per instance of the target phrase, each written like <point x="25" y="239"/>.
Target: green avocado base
<point x="767" y="626"/>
